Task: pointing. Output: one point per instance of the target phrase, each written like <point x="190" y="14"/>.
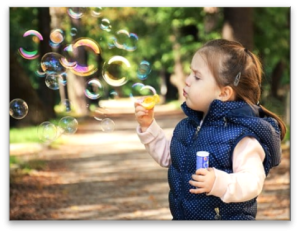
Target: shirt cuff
<point x="221" y="183"/>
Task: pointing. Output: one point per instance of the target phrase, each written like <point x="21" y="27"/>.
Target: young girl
<point x="224" y="118"/>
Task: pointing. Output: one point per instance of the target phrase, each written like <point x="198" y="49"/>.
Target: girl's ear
<point x="227" y="94"/>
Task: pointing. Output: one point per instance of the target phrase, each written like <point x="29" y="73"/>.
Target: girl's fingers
<point x="136" y="104"/>
<point x="141" y="111"/>
<point x="196" y="183"/>
<point x="198" y="178"/>
<point x="201" y="171"/>
<point x="140" y="114"/>
<point x="197" y="190"/>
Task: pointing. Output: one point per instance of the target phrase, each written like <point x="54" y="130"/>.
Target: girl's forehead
<point x="198" y="61"/>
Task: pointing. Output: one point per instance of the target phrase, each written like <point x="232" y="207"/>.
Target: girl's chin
<point x="191" y="106"/>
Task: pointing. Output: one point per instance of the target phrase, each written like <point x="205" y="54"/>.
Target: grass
<point x="24" y="135"/>
<point x="28" y="134"/>
<point x="25" y="167"/>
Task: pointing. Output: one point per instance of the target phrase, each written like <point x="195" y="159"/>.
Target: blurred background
<point x="71" y="65"/>
<point x="165" y="37"/>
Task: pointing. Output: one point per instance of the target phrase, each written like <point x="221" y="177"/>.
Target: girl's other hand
<point x="203" y="180"/>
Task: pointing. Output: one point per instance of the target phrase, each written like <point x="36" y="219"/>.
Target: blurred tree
<point x="272" y="40"/>
<point x="272" y="43"/>
<point x="238" y="25"/>
<point x="76" y="83"/>
<point x="20" y="87"/>
<point x="46" y="95"/>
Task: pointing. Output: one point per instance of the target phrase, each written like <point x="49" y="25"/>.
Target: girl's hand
<point x="143" y="116"/>
<point x="203" y="180"/>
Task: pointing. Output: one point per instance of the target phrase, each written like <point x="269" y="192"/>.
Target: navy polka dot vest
<point x="224" y="126"/>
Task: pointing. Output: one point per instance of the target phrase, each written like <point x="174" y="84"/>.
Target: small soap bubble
<point x="57" y="36"/>
<point x="76" y="12"/>
<point x="94" y="89"/>
<point x="107" y="125"/>
<point x="47" y="131"/>
<point x="139" y="91"/>
<point x="18" y="108"/>
<point x="96" y="11"/>
<point x="52" y="81"/>
<point x="68" y="124"/>
<point x="143" y="70"/>
<point x="105" y="25"/>
<point x="73" y="31"/>
<point x="100" y="113"/>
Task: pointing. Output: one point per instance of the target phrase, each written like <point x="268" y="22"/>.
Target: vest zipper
<point x="225" y="121"/>
<point x="197" y="130"/>
<point x="217" y="216"/>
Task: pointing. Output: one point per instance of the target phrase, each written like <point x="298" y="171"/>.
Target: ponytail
<point x="278" y="119"/>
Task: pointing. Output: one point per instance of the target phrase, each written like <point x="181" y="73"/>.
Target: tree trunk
<point x="238" y="25"/>
<point x="178" y="76"/>
<point x="276" y="77"/>
<point x="167" y="89"/>
<point x="57" y="14"/>
<point x="20" y="87"/>
<point x="75" y="83"/>
<point x="47" y="95"/>
<point x="287" y="115"/>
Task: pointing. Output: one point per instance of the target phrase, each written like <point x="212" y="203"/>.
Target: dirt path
<point x="105" y="176"/>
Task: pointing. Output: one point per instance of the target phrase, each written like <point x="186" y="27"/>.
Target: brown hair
<point x="229" y="59"/>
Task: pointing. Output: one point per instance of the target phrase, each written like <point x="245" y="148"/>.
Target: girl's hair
<point x="233" y="65"/>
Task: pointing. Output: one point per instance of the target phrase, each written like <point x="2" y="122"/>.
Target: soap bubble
<point x="115" y="71"/>
<point x="68" y="124"/>
<point x="73" y="31"/>
<point x="145" y="95"/>
<point x="29" y="50"/>
<point x="56" y="37"/>
<point x="18" y="108"/>
<point x="51" y="63"/>
<point x="47" y="131"/>
<point x="94" y="89"/>
<point x="105" y="25"/>
<point x="76" y="12"/>
<point x="52" y="81"/>
<point x="143" y="70"/>
<point x="107" y="125"/>
<point x="125" y="40"/>
<point x="96" y="11"/>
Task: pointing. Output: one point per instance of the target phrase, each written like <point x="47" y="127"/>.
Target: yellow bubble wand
<point x="150" y="101"/>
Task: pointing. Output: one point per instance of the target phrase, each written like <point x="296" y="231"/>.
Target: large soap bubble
<point x="47" y="131"/>
<point x="29" y="50"/>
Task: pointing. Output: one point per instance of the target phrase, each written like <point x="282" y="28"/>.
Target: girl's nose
<point x="187" y="80"/>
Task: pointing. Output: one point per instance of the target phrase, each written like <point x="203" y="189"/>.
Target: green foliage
<point x="22" y="20"/>
<point x="26" y="167"/>
<point x="13" y="160"/>
<point x="272" y="39"/>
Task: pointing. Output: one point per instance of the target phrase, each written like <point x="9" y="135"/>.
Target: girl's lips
<point x="184" y="93"/>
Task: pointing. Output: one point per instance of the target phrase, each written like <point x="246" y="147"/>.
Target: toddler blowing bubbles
<point x="224" y="118"/>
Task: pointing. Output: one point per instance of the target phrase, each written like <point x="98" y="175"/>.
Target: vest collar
<point x="219" y="109"/>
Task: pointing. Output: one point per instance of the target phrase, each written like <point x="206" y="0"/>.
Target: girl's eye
<point x="197" y="78"/>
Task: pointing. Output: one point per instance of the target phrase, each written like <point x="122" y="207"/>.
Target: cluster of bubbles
<point x="55" y="65"/>
<point x="48" y="132"/>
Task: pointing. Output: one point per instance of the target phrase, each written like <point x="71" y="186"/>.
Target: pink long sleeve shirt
<point x="247" y="179"/>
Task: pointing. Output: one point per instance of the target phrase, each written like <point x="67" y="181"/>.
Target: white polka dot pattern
<point x="224" y="126"/>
